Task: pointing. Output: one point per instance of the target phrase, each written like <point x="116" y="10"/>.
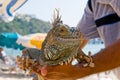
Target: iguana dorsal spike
<point x="56" y="18"/>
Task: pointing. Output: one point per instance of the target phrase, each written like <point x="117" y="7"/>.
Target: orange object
<point x="38" y="39"/>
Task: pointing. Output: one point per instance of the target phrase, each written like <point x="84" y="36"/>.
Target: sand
<point x="14" y="75"/>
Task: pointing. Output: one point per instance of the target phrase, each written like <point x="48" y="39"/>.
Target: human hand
<point x="29" y="63"/>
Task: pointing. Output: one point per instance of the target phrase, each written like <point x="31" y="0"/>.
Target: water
<point x="94" y="48"/>
<point x="12" y="52"/>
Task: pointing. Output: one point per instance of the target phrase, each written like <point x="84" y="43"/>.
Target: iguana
<point x="61" y="46"/>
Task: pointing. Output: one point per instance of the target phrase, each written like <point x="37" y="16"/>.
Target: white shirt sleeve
<point x="87" y="24"/>
<point x="115" y="4"/>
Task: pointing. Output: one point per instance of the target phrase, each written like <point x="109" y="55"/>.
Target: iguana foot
<point x="89" y="60"/>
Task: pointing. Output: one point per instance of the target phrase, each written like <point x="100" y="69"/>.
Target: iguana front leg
<point x="81" y="56"/>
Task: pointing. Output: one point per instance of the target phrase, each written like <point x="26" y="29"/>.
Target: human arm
<point x="84" y="42"/>
<point x="107" y="59"/>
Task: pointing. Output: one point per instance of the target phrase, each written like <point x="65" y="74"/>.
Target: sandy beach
<point x="6" y="75"/>
<point x="10" y="71"/>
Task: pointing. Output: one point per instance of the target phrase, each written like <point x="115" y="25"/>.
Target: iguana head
<point x="61" y="44"/>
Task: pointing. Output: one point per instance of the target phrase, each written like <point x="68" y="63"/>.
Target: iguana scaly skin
<point x="61" y="46"/>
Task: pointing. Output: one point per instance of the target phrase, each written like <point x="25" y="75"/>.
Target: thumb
<point x="44" y="71"/>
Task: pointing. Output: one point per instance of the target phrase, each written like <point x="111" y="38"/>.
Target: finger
<point x="44" y="71"/>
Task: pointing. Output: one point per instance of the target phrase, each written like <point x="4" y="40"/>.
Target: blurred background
<point x="25" y="23"/>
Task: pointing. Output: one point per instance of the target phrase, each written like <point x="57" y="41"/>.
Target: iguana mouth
<point x="71" y="37"/>
<point x="68" y="39"/>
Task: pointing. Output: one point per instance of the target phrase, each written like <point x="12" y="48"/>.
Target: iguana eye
<point x="61" y="30"/>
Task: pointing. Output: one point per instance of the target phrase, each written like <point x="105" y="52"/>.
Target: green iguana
<point x="61" y="46"/>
